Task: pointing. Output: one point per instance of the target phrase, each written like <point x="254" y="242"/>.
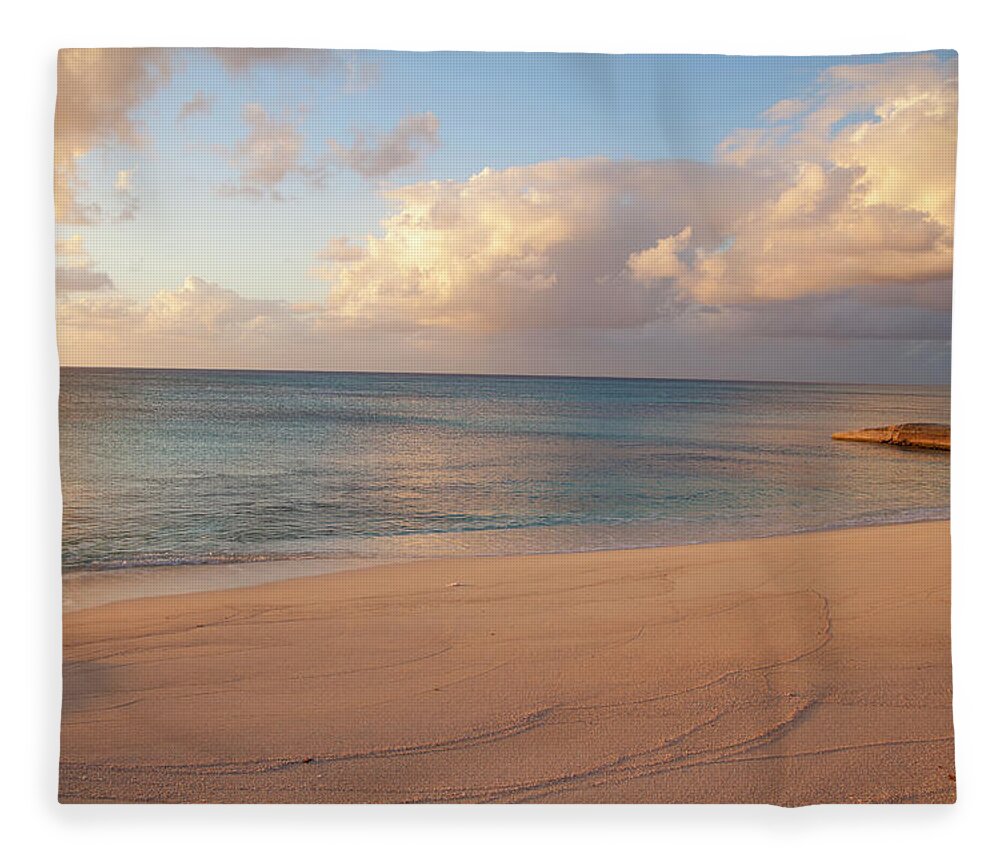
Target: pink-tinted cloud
<point x="272" y="152"/>
<point x="413" y="137"/>
<point x="341" y="250"/>
<point x="198" y="105"/>
<point x="856" y="197"/>
<point x="98" y="90"/>
<point x="356" y="73"/>
<point x="830" y="223"/>
<point x="75" y="270"/>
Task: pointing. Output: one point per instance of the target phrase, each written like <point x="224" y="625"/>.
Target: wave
<point x="536" y="540"/>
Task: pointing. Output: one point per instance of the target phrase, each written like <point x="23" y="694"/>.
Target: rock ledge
<point x="933" y="436"/>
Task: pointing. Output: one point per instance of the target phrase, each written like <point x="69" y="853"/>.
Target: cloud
<point x="73" y="252"/>
<point x="198" y="104"/>
<point x="786" y="109"/>
<point x="662" y="260"/>
<point x="271" y="153"/>
<point x="125" y="188"/>
<point x="846" y="193"/>
<point x="541" y="246"/>
<point x="196" y="324"/>
<point x="70" y="280"/>
<point x="817" y="244"/>
<point x="340" y="250"/>
<point x="98" y="89"/>
<point x="75" y="268"/>
<point x="869" y="201"/>
<point x="201" y="308"/>
<point x="357" y="72"/>
<point x="819" y="235"/>
<point x="123" y="181"/>
<point x="413" y="137"/>
<point x="240" y="60"/>
<point x="201" y="324"/>
<point x="895" y="120"/>
<point x="844" y="316"/>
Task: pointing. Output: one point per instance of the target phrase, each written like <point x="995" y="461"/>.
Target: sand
<point x="794" y="670"/>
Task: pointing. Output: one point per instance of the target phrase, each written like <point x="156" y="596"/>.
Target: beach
<point x="810" y="668"/>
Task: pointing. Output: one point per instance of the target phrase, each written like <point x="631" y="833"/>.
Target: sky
<point x="659" y="216"/>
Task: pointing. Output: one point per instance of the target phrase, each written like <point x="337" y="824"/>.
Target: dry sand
<point x="805" y="669"/>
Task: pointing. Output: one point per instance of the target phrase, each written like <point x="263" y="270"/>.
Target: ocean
<point x="179" y="467"/>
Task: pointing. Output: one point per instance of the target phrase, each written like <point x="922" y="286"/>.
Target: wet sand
<point x="805" y="669"/>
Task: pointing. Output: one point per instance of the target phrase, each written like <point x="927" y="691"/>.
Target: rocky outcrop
<point x="934" y="436"/>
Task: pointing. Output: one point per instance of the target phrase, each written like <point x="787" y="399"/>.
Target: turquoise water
<point x="164" y="467"/>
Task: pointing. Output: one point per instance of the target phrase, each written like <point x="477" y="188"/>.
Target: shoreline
<point x="195" y="577"/>
<point x="810" y="668"/>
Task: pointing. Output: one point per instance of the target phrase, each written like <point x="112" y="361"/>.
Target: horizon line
<point x="488" y="375"/>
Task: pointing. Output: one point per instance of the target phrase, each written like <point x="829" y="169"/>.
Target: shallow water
<point x="164" y="467"/>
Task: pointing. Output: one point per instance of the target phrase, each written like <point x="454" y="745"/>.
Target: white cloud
<point x="828" y="225"/>
<point x="819" y="235"/>
<point x="853" y="196"/>
<point x="196" y="324"/>
<point x="894" y="120"/>
<point x="543" y="246"/>
<point x="663" y="259"/>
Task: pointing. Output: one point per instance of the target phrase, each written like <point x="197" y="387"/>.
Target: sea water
<point x="180" y="467"/>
